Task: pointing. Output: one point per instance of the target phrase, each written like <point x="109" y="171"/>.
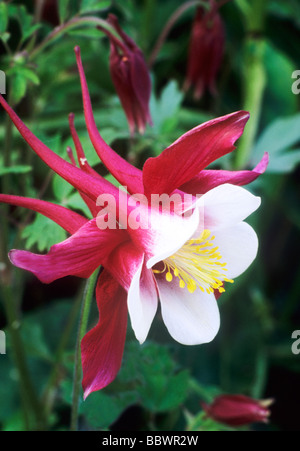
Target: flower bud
<point x="205" y="50"/>
<point x="130" y="76"/>
<point x="238" y="410"/>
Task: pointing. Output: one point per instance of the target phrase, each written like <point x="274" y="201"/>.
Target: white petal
<point x="238" y="247"/>
<point x="226" y="205"/>
<point x="169" y="234"/>
<point x="191" y="319"/>
<point x="142" y="302"/>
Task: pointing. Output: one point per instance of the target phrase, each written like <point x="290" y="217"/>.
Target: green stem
<point x="32" y="409"/>
<point x="54" y="379"/>
<point x="83" y="322"/>
<point x="73" y="23"/>
<point x="169" y="25"/>
<point x="10" y="294"/>
<point x="254" y="74"/>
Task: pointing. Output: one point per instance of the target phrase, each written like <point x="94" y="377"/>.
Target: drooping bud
<point x="130" y="76"/>
<point x="48" y="11"/>
<point x="205" y="50"/>
<point x="238" y="410"/>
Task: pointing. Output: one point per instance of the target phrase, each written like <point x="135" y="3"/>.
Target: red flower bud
<point x="130" y="76"/>
<point x="205" y="50"/>
<point x="49" y="11"/>
<point x="238" y="410"/>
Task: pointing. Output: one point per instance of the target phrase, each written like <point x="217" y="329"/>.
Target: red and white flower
<point x="180" y="261"/>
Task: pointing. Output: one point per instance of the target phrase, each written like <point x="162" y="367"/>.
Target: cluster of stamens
<point x="197" y="265"/>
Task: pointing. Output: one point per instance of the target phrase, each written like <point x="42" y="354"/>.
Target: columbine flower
<point x="181" y="259"/>
<point x="130" y="76"/>
<point x="205" y="50"/>
<point x="238" y="410"/>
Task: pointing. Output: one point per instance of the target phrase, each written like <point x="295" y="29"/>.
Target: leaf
<point x="19" y="169"/>
<point x="164" y="110"/>
<point x="34" y="340"/>
<point x="4" y="36"/>
<point x="63" y="10"/>
<point x="102" y="410"/>
<point x="29" y="74"/>
<point x="44" y="233"/>
<point x="61" y="189"/>
<point x="155" y="377"/>
<point x="3" y="17"/>
<point x="284" y="162"/>
<point x="278" y="139"/>
<point x="280" y="135"/>
<point x="90" y="6"/>
<point x="20" y="76"/>
<point x="285" y="9"/>
<point x="18" y="87"/>
<point x="75" y="202"/>
<point x="25" y="21"/>
<point x="87" y="33"/>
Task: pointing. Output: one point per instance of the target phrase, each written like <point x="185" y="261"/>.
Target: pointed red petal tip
<point x="77" y="51"/>
<point x="11" y="255"/>
<point x="71" y="117"/>
<point x="262" y="166"/>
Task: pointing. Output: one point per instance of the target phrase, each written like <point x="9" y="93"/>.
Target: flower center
<point x="197" y="265"/>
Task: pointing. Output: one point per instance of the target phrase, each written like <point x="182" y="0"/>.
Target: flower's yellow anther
<point x="197" y="265"/>
<point x="169" y="277"/>
<point x="182" y="284"/>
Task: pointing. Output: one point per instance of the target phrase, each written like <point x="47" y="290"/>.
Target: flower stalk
<point x="82" y="328"/>
<point x="254" y="73"/>
<point x="75" y="22"/>
<point x="169" y="25"/>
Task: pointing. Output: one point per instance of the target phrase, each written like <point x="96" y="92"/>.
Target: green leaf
<point x="63" y="10"/>
<point x="61" y="189"/>
<point x="18" y="87"/>
<point x="3" y="17"/>
<point x="87" y="33"/>
<point x="164" y="110"/>
<point x="152" y="372"/>
<point x="282" y="134"/>
<point x="278" y="139"/>
<point x="4" y="37"/>
<point x="19" y="169"/>
<point x="90" y="6"/>
<point x="75" y="202"/>
<point x="101" y="410"/>
<point x="43" y="233"/>
<point x="284" y="162"/>
<point x="29" y="74"/>
<point x="20" y="76"/>
<point x="34" y="340"/>
<point x="25" y="21"/>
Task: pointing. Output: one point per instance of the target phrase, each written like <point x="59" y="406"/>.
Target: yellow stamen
<point x="169" y="277"/>
<point x="197" y="265"/>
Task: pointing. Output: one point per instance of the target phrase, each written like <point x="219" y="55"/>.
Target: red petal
<point x="83" y="163"/>
<point x="102" y="348"/>
<point x="192" y="152"/>
<point x="67" y="219"/>
<point x="123" y="171"/>
<point x="86" y="183"/>
<point x="209" y="179"/>
<point x="79" y="255"/>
